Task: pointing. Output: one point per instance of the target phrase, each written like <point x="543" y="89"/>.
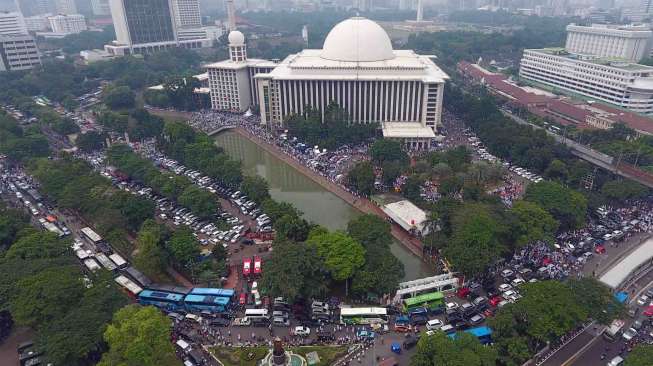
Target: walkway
<point x="362" y="204"/>
<point x="595" y="157"/>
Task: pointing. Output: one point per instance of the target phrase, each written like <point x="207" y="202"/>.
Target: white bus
<point x="129" y="285"/>
<point x="356" y="316"/>
<point x="91" y="235"/>
<point x="257" y="314"/>
<point x="105" y="261"/>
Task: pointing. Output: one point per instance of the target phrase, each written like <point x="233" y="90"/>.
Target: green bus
<point x="430" y="301"/>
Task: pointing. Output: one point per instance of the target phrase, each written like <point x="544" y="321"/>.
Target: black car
<point x="419" y="319"/>
<point x="410" y="342"/>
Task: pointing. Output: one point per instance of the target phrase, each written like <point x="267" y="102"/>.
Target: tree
<point x="276" y="210"/>
<point x="391" y="171"/>
<point x="294" y="271"/>
<point x="412" y="188"/>
<point x="256" y="188"/>
<point x="118" y="97"/>
<point x="642" y="355"/>
<point x="475" y="240"/>
<point x="557" y="169"/>
<point x="361" y="177"/>
<point x="201" y="202"/>
<point x="597" y="299"/>
<point x="532" y="223"/>
<point x="384" y="150"/>
<point x="139" y="336"/>
<point x="183" y="247"/>
<point x="342" y="255"/>
<point x="292" y="227"/>
<point x="90" y="141"/>
<point x="441" y="350"/>
<point x="569" y="207"/>
<point x="150" y="257"/>
<point x="57" y="289"/>
<point x="620" y="190"/>
<point x="371" y="231"/>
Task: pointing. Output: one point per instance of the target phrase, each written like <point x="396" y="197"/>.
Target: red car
<point x="600" y="249"/>
<point x="495" y="301"/>
<point x="463" y="292"/>
<point x="649" y="311"/>
<point x="257" y="265"/>
<point x="247" y="266"/>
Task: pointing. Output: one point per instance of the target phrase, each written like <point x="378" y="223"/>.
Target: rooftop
<point x="406" y="130"/>
<point x="616" y="63"/>
<point x="622" y="270"/>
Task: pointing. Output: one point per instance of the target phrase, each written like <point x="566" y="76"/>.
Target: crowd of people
<point x="509" y="192"/>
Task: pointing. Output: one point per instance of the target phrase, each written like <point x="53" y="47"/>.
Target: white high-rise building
<point x="630" y="43"/>
<point x="357" y="69"/>
<point x="37" y="23"/>
<point x="621" y="83"/>
<point x="65" y="6"/>
<point x="100" y="7"/>
<point x="12" y="23"/>
<point x="18" y="52"/>
<point x="72" y="23"/>
<point x="187" y="13"/>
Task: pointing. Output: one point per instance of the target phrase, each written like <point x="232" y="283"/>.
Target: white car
<point x="642" y="300"/>
<point x="434" y="324"/>
<point x="302" y="331"/>
<point x="504" y="287"/>
<point x="518" y="281"/>
<point x="452" y="305"/>
<point x="629" y="334"/>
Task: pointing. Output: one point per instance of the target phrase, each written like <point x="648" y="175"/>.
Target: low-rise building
<point x="37" y="23"/>
<point x="68" y="24"/>
<point x="615" y="81"/>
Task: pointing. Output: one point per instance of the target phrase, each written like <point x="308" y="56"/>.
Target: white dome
<point x="236" y="38"/>
<point x="359" y="40"/>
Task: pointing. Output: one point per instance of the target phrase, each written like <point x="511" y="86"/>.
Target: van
<point x="617" y="361"/>
<point x="448" y="329"/>
<point x="280" y="321"/>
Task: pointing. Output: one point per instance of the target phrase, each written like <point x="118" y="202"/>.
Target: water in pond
<point x="317" y="204"/>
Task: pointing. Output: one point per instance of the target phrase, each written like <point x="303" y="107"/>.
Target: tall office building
<point x="100" y="7"/>
<point x="18" y="52"/>
<point x="35" y="7"/>
<point x="12" y="23"/>
<point x="147" y="25"/>
<point x="630" y="43"/>
<point x="65" y="7"/>
<point x="187" y="13"/>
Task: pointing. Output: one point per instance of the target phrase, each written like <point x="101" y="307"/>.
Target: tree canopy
<point x="464" y="350"/>
<point x="139" y="336"/>
<point x="569" y="207"/>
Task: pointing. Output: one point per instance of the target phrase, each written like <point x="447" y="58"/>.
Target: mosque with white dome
<point x="357" y="68"/>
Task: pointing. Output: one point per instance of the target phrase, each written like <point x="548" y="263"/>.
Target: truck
<point x="244" y="321"/>
<point x="613" y="332"/>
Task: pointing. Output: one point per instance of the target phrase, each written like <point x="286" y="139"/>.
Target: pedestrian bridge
<point x="220" y="129"/>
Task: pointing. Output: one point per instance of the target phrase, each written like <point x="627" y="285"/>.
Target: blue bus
<point x="217" y="292"/>
<point x="161" y="299"/>
<point x="214" y="304"/>
<point x="483" y="334"/>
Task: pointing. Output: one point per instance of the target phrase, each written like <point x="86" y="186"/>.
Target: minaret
<point x="231" y="13"/>
<point x="237" y="46"/>
<point x="420" y="10"/>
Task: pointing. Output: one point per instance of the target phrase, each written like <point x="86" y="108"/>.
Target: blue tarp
<point x="396" y="348"/>
<point x="621" y="297"/>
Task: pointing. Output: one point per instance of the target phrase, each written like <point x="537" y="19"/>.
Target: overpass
<point x="595" y="157"/>
<point x="220" y="129"/>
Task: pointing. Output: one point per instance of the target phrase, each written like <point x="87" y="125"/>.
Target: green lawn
<point x="245" y="356"/>
<point x="328" y="354"/>
<point x="248" y="356"/>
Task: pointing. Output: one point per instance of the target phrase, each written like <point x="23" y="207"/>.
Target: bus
<point x="356" y="316"/>
<point x="129" y="285"/>
<point x="483" y="334"/>
<point x="91" y="235"/>
<point x="198" y="303"/>
<point x="432" y="301"/>
<point x="105" y="261"/>
<point x="163" y="300"/>
<point x="257" y="314"/>
<point x="217" y="292"/>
